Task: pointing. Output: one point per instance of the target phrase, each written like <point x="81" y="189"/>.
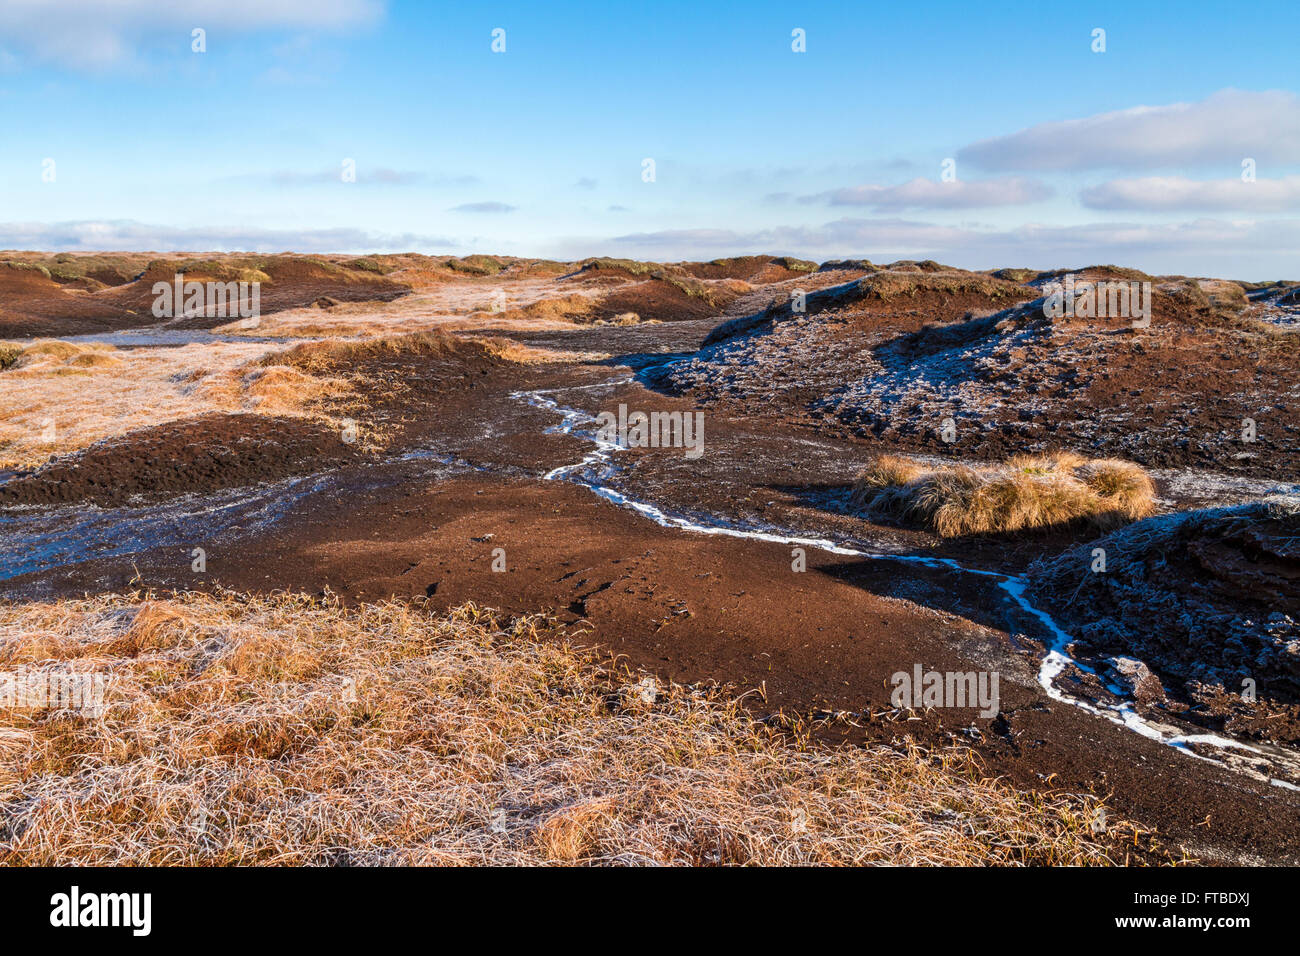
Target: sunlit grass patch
<point x="290" y="730"/>
<point x="1025" y="492"/>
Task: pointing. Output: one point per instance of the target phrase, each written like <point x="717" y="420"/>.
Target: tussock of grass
<point x="512" y="351"/>
<point x="282" y="390"/>
<point x="334" y="353"/>
<point x="796" y="265"/>
<point x="631" y="266"/>
<point x="886" y="286"/>
<point x="561" y="308"/>
<point x="1028" y="491"/>
<point x="287" y="730"/>
<point x="18" y="265"/>
<point x="337" y="354"/>
<point x="56" y="355"/>
<point x="478" y="265"/>
<point x="368" y="264"/>
<point x="716" y="294"/>
<point x="55" y="349"/>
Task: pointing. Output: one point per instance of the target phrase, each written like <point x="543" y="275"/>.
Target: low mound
<point x="76" y="294"/>
<point x="890" y="356"/>
<point x="56" y="352"/>
<point x="195" y="455"/>
<point x="289" y="731"/>
<point x="566" y="308"/>
<point x="1207" y="599"/>
<point x="33" y="303"/>
<point x="285" y="282"/>
<point x="666" y="297"/>
<point x="1029" y="491"/>
<point x="85" y="269"/>
<point x="336" y="354"/>
<point x="758" y="270"/>
<point x="943" y="294"/>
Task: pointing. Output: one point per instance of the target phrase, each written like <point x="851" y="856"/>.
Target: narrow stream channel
<point x="597" y="468"/>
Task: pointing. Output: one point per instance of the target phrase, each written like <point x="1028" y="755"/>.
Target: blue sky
<point x="539" y="150"/>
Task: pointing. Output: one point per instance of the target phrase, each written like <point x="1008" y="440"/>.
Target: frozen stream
<point x="597" y="468"/>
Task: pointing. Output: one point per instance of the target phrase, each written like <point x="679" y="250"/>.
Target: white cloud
<point x="1176" y="193"/>
<point x="130" y="236"/>
<point x="930" y="194"/>
<point x="97" y="33"/>
<point x="1243" y="249"/>
<point x="1222" y="130"/>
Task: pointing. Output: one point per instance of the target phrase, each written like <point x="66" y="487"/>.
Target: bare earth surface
<point x="684" y="565"/>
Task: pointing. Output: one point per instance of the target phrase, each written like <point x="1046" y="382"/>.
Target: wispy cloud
<point x="1177" y="194"/>
<point x="129" y="235"/>
<point x="374" y="177"/>
<point x="930" y="194"/>
<point x="488" y="207"/>
<point x="365" y="176"/>
<point x="1197" y="247"/>
<point x="99" y="33"/>
<point x="1223" y="129"/>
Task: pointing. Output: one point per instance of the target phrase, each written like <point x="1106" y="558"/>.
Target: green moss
<point x="476" y="265"/>
<point x="627" y="265"/>
<point x="19" y="266"/>
<point x="367" y="264"/>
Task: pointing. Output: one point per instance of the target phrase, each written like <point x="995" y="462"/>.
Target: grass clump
<point x="1026" y="492"/>
<point x="367" y="264"/>
<point x="714" y="294"/>
<point x="476" y="265"/>
<point x="56" y="354"/>
<point x="630" y="266"/>
<point x="332" y="354"/>
<point x="289" y="730"/>
<point x="10" y="353"/>
<point x="18" y="265"/>
<point x="886" y="286"/>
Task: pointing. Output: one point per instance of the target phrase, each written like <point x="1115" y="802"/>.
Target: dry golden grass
<point x="565" y="308"/>
<point x="57" y="397"/>
<point x="1028" y="491"/>
<point x="627" y="318"/>
<point x="512" y="351"/>
<point x="288" y="730"/>
<point x="329" y="354"/>
<point x="333" y="354"/>
<point x="449" y="302"/>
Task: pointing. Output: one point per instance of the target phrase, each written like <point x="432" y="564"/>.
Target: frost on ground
<point x="1208" y="600"/>
<point x="289" y="730"/>
<point x="897" y="368"/>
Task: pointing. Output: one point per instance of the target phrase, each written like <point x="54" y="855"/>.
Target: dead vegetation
<point x="58" y="397"/>
<point x="333" y="355"/>
<point x="1028" y="491"/>
<point x="289" y="730"/>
